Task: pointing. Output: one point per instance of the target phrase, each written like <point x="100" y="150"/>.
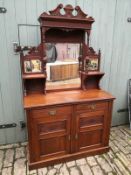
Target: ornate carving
<point x="37" y="51"/>
<point x="91" y="51"/>
<point x="80" y="13"/>
<point x="56" y="11"/>
<point x="68" y="12"/>
<point x="90" y="19"/>
<point x="33" y="50"/>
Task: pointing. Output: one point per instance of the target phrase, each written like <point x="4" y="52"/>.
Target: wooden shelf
<point x="90" y="80"/>
<point x="33" y="76"/>
<point x="92" y="73"/>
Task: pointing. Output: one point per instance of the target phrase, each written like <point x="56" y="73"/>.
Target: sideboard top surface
<point x="65" y="97"/>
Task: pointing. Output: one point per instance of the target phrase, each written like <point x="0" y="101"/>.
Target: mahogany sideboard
<point x="67" y="125"/>
<point x="70" y="123"/>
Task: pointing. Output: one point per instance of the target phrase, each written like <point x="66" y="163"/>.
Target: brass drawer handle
<point x="92" y="107"/>
<point x="52" y="113"/>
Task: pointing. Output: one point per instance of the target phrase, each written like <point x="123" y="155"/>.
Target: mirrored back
<point x="63" y="65"/>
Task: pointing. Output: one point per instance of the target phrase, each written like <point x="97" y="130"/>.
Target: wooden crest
<point x="68" y="9"/>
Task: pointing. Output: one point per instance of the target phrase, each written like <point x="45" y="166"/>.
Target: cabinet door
<point x="90" y="122"/>
<point x="49" y="132"/>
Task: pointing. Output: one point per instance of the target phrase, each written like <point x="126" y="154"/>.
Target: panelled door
<point x="90" y="122"/>
<point x="50" y="130"/>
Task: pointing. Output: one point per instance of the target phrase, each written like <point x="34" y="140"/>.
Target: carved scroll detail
<point x="68" y="9"/>
<point x="80" y="13"/>
<point x="91" y="51"/>
<point x="56" y="11"/>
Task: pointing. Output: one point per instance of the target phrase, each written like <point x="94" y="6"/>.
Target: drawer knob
<point x="52" y="113"/>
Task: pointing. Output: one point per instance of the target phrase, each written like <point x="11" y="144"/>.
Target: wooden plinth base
<point x="68" y="157"/>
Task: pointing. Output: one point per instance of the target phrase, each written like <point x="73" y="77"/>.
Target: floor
<point x="13" y="160"/>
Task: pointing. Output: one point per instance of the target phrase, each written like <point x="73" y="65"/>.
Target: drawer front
<point x="92" y="106"/>
<point x="51" y="111"/>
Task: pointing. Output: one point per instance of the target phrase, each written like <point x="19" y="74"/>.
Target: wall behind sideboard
<point x="111" y="33"/>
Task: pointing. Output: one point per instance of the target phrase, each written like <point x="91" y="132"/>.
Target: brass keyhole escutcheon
<point x="93" y="107"/>
<point x="52" y="113"/>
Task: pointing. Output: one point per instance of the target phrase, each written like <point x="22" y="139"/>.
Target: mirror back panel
<point x="62" y="65"/>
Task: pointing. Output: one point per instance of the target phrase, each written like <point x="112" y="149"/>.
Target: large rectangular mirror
<point x="63" y="65"/>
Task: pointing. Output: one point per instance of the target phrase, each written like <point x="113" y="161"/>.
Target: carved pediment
<point x="56" y="11"/>
<point x="68" y="9"/>
<point x="91" y="52"/>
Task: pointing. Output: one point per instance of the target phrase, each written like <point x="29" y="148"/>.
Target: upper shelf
<point x="33" y="76"/>
<point x="92" y="73"/>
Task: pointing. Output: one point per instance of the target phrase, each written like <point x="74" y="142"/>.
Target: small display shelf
<point x="91" y="80"/>
<point x="33" y="70"/>
<point x="33" y="76"/>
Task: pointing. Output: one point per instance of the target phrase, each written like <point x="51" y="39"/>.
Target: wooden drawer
<point x="52" y="111"/>
<point x="90" y="107"/>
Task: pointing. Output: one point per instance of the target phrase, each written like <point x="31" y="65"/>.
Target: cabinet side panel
<point x="107" y="123"/>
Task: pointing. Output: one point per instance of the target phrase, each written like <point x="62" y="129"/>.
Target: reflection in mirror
<point x="62" y="65"/>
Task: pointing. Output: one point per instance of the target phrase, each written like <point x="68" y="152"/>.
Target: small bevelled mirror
<point x="63" y="65"/>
